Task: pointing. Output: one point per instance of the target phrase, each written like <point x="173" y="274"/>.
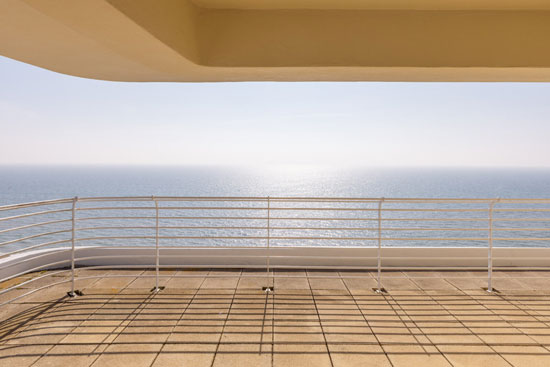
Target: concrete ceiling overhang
<point x="281" y="40"/>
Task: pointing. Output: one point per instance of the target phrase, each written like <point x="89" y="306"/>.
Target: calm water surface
<point x="27" y="184"/>
<point x="22" y="184"/>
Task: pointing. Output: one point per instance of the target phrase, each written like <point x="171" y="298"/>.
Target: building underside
<point x="281" y="40"/>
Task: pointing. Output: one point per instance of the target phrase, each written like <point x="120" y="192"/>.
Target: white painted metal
<point x="268" y="254"/>
<point x="379" y="253"/>
<point x="238" y="222"/>
<point x="157" y="252"/>
<point x="490" y="252"/>
<point x="73" y="240"/>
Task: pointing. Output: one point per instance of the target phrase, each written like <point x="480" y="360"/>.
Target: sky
<point x="48" y="118"/>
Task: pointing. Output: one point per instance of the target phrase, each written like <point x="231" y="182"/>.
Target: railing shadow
<point x="301" y="321"/>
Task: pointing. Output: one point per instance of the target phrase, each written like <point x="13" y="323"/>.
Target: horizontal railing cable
<point x="160" y="224"/>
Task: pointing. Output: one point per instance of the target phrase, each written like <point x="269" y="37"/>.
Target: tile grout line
<point x="535" y="317"/>
<point x="404" y="323"/>
<point x="263" y="321"/>
<point x="507" y="322"/>
<point x="320" y="322"/>
<point x="141" y="307"/>
<point x="528" y="307"/>
<point x="83" y="321"/>
<point x="181" y="317"/>
<point x="5" y="343"/>
<point x="265" y="311"/>
<point x="423" y="333"/>
<point x="273" y="326"/>
<point x="462" y="323"/>
<point x="22" y="302"/>
<point x="368" y="324"/>
<point x="37" y="310"/>
<point x="463" y="298"/>
<point x="225" y="321"/>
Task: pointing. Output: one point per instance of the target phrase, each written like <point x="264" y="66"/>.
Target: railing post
<point x="268" y="287"/>
<point x="73" y="292"/>
<point x="490" y="251"/>
<point x="379" y="288"/>
<point x="157" y="251"/>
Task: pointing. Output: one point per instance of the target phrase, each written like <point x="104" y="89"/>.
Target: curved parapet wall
<point x="346" y="258"/>
<point x="243" y="40"/>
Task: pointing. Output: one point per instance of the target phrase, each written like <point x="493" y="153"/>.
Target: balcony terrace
<point x="221" y="317"/>
<point x="158" y="281"/>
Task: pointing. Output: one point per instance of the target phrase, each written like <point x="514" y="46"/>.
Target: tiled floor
<point x="318" y="319"/>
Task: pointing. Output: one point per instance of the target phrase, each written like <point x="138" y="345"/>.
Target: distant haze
<point x="49" y="118"/>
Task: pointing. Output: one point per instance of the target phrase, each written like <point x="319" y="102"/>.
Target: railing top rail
<point x="297" y="199"/>
<point x="305" y="198"/>
<point x="35" y="203"/>
<point x="277" y="199"/>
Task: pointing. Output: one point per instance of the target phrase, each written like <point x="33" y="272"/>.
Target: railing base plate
<point x="492" y="291"/>
<point x="75" y="293"/>
<point x="157" y="289"/>
<point x="381" y="290"/>
<point x="268" y="289"/>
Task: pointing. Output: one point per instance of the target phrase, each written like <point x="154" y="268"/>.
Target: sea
<point x="32" y="183"/>
<point x="20" y="184"/>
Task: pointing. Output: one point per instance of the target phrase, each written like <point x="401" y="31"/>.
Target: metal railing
<point x="32" y="233"/>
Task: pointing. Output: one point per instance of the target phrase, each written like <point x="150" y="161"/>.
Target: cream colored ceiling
<point x="377" y="4"/>
<point x="180" y="41"/>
